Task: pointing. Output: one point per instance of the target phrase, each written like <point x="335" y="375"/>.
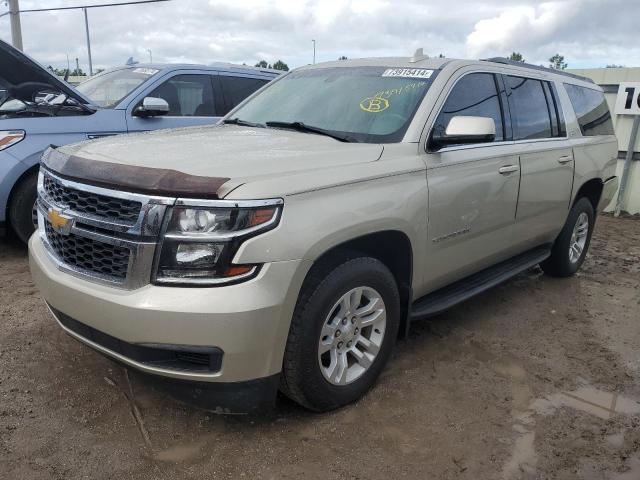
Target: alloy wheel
<point x="352" y="335"/>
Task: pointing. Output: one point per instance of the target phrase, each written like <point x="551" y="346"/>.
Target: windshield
<point x="107" y="89"/>
<point x="364" y="104"/>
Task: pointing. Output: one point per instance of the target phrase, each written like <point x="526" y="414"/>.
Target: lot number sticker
<point x="408" y="72"/>
<point x="628" y="101"/>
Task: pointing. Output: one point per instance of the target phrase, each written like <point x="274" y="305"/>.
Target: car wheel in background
<point x="342" y="333"/>
<point x="570" y="248"/>
<point x="22" y="205"/>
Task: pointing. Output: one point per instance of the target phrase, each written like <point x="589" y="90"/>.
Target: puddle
<point x="590" y="400"/>
<point x="633" y="472"/>
<point x="586" y="399"/>
<point x="179" y="453"/>
<point x="616" y="440"/>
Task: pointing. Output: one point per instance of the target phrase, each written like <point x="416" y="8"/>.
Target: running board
<point x="446" y="297"/>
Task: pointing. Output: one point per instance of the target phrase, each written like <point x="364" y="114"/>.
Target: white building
<point x="609" y="79"/>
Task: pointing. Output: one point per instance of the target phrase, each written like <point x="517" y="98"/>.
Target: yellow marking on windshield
<point x="400" y="90"/>
<point x="374" y="104"/>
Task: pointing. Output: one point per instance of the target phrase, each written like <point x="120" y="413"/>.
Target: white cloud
<point x="519" y="26"/>
<point x="587" y="32"/>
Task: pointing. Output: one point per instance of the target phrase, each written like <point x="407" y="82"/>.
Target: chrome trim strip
<point x="205" y="281"/>
<point x="191" y="202"/>
<point x="133" y="363"/>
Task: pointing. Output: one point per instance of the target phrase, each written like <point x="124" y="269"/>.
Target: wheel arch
<point x="391" y="247"/>
<point x="592" y="190"/>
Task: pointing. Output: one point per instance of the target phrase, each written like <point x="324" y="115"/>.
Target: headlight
<point x="10" y="137"/>
<point x="199" y="242"/>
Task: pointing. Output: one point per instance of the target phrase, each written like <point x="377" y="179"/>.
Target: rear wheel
<point x="342" y="334"/>
<point x="23" y="215"/>
<point x="570" y="248"/>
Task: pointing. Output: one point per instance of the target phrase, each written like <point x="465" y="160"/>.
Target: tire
<point x="563" y="262"/>
<point x="21" y="207"/>
<point x="305" y="374"/>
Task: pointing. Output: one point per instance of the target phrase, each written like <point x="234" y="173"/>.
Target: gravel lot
<point x="538" y="378"/>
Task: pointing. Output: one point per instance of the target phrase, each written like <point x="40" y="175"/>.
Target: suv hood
<point x="199" y="161"/>
<point x="23" y="77"/>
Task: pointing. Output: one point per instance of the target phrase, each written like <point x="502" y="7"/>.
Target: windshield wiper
<point x="244" y="123"/>
<point x="303" y="127"/>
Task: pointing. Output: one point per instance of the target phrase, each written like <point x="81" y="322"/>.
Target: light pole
<point x="86" y="26"/>
<point x="314" y="51"/>
<point x="16" y="30"/>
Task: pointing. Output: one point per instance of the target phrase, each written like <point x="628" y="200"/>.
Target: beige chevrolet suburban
<point x="289" y="246"/>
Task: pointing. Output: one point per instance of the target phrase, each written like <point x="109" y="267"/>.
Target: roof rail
<point x="506" y="61"/>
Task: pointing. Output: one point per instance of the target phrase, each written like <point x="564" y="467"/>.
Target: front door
<point x="192" y="101"/>
<point x="473" y="189"/>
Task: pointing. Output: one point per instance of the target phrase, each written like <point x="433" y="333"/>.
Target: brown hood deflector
<point x="152" y="181"/>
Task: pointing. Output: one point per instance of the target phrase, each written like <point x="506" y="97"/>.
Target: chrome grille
<point x="89" y="255"/>
<point x="109" y="237"/>
<point x="120" y="209"/>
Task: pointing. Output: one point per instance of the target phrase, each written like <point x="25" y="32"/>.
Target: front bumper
<point x="247" y="322"/>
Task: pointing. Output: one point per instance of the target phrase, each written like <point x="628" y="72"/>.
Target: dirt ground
<point x="536" y="379"/>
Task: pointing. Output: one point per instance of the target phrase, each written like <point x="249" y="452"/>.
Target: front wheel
<point x="23" y="215"/>
<point x="570" y="248"/>
<point x="342" y="334"/>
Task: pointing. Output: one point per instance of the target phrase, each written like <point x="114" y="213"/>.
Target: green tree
<point x="613" y="65"/>
<point x="557" y="62"/>
<point x="441" y="55"/>
<point x="342" y="58"/>
<point x="262" y="64"/>
<point x="57" y="71"/>
<point x="516" y="57"/>
<point x="280" y="65"/>
<point x="77" y="72"/>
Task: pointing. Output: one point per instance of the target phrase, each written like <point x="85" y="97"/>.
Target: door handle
<point x="507" y="169"/>
<point x="565" y="159"/>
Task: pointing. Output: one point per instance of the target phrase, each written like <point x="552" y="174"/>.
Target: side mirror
<point x="465" y="130"/>
<point x="151" y="107"/>
<point x="13" y="106"/>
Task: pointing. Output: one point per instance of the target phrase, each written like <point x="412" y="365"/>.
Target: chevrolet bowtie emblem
<point x="61" y="223"/>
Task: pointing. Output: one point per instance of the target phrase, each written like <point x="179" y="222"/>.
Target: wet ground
<point x="536" y="379"/>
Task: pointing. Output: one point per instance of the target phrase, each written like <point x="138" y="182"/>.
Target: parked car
<point x="37" y="109"/>
<point x="289" y="246"/>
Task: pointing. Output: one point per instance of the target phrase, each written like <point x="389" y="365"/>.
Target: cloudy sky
<point x="589" y="33"/>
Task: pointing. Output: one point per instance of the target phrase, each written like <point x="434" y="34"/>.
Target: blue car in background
<point x="37" y="110"/>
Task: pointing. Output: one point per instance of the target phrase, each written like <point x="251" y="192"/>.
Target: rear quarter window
<point x="591" y="110"/>
<point x="236" y="89"/>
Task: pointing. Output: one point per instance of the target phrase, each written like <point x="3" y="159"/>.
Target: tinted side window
<point x="474" y="95"/>
<point x="236" y="89"/>
<point x="187" y="96"/>
<point x="529" y="109"/>
<point x="558" y="107"/>
<point x="591" y="109"/>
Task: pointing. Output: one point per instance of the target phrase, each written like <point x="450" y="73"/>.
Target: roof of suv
<point x="421" y="61"/>
<point x="196" y="66"/>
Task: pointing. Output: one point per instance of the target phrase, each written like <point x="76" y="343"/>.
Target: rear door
<point x="193" y="98"/>
<point x="546" y="160"/>
<point x="473" y="189"/>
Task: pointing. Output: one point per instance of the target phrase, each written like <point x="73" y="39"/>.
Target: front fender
<point x="314" y="222"/>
